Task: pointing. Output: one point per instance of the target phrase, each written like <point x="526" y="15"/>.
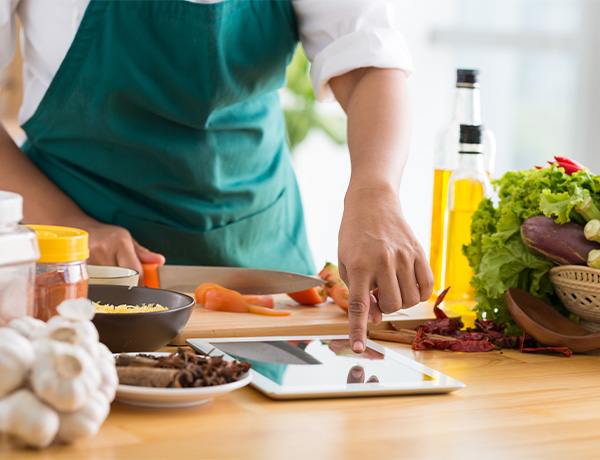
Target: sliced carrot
<point x="339" y="293"/>
<point x="200" y="292"/>
<point x="214" y="297"/>
<point x="266" y="301"/>
<point x="312" y="296"/>
<point x="222" y="299"/>
<point x="267" y="311"/>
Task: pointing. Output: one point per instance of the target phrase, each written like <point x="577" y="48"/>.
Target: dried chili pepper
<point x="534" y="349"/>
<point x="485" y="336"/>
<point x="439" y="314"/>
<point x="422" y="342"/>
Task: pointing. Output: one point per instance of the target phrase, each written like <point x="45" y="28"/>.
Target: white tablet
<point x="325" y="367"/>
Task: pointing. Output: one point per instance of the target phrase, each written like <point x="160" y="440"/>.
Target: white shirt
<point x="337" y="35"/>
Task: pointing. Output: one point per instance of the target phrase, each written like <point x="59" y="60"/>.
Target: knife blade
<point x="257" y="281"/>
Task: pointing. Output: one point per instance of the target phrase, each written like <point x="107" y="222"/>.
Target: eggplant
<point x="563" y="244"/>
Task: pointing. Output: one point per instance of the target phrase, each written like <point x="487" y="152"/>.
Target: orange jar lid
<point x="61" y="244"/>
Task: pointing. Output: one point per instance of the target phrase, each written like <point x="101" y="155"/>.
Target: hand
<point x="357" y="375"/>
<point x="113" y="245"/>
<point x="380" y="260"/>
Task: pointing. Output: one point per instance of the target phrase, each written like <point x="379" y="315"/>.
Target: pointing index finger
<point x="358" y="310"/>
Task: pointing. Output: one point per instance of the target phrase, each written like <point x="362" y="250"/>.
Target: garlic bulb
<point x="29" y="420"/>
<point x="75" y="332"/>
<point x="56" y="379"/>
<point x="27" y="326"/>
<point x="85" y="422"/>
<point x="63" y="375"/>
<point x="16" y="358"/>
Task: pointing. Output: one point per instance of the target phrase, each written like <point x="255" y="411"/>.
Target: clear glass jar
<point x="18" y="253"/>
<point x="61" y="271"/>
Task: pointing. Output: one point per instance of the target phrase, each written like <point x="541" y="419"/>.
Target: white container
<point x="121" y="276"/>
<point x="18" y="253"/>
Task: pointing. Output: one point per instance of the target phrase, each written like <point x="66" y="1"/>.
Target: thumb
<point x="148" y="257"/>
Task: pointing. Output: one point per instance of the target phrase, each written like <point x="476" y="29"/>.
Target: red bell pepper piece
<point x="570" y="166"/>
<point x="312" y="296"/>
<point x="330" y="273"/>
<point x="340" y="294"/>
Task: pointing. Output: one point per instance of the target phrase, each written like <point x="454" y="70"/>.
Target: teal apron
<point x="164" y="118"/>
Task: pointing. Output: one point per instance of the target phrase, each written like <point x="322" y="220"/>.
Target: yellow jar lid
<point x="61" y="244"/>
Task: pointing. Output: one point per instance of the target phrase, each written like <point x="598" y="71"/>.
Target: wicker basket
<point x="579" y="289"/>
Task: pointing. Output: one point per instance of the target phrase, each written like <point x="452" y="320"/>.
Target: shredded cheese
<point x="144" y="308"/>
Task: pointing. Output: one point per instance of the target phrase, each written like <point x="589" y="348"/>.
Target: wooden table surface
<point x="514" y="406"/>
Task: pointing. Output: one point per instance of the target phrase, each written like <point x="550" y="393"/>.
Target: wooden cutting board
<point x="326" y="319"/>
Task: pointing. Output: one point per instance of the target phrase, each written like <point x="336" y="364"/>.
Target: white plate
<point x="174" y="397"/>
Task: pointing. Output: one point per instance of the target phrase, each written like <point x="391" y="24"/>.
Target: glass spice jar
<point x="61" y="271"/>
<point x="18" y="253"/>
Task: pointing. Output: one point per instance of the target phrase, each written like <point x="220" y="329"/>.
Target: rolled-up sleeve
<point x="8" y="31"/>
<point x="342" y="35"/>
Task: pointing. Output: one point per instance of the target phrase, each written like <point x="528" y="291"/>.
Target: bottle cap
<point x="470" y="134"/>
<point x="467" y="77"/>
<point x="11" y="207"/>
<point x="61" y="244"/>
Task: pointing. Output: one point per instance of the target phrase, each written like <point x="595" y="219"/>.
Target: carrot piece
<point x="312" y="296"/>
<point x="200" y="292"/>
<point x="266" y="301"/>
<point x="150" y="274"/>
<point x="339" y="293"/>
<point x="267" y="311"/>
<point x="221" y="299"/>
<point x="214" y="297"/>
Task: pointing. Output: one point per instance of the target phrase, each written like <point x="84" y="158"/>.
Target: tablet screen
<point x="321" y="365"/>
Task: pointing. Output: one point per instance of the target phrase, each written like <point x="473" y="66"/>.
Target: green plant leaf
<point x="302" y="116"/>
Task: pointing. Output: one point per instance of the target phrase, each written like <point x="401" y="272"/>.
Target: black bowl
<point x="126" y="332"/>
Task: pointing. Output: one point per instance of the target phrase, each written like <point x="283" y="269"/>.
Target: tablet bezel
<point x="441" y="383"/>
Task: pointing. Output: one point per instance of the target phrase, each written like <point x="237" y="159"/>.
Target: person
<point x="156" y="126"/>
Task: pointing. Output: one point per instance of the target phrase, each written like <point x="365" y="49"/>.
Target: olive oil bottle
<point x="467" y="110"/>
<point x="467" y="186"/>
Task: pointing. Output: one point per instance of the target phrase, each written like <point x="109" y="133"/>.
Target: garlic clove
<point x="77" y="309"/>
<point x="109" y="380"/>
<point x="27" y="326"/>
<point x="80" y="333"/>
<point x="63" y="375"/>
<point x="27" y="419"/>
<point x="16" y="359"/>
<point x="85" y="422"/>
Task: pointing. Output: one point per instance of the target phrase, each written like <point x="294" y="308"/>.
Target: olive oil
<point x="457" y="274"/>
<point x="467" y="186"/>
<point x="438" y="223"/>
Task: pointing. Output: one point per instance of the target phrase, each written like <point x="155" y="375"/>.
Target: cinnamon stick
<point x="146" y="376"/>
<point x="135" y="360"/>
<point x="401" y="336"/>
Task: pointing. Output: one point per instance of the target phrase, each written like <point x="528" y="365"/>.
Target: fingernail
<point x="370" y="317"/>
<point x="357" y="347"/>
<point x="356" y="373"/>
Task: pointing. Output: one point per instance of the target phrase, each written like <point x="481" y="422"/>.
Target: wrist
<point x="371" y="190"/>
